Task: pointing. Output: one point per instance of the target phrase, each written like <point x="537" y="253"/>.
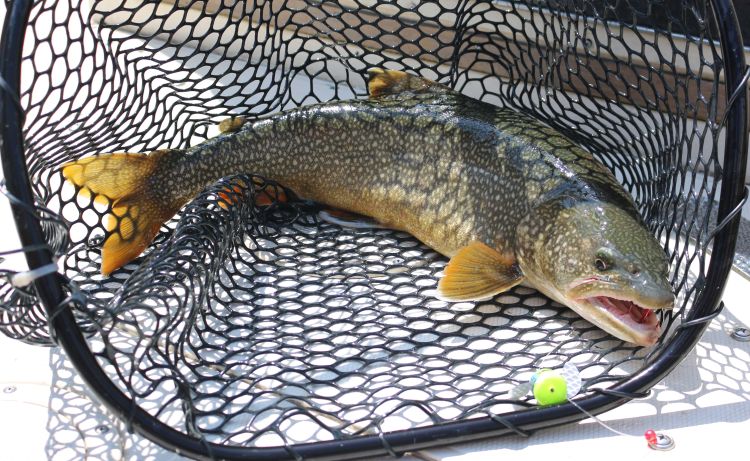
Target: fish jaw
<point x="622" y="318"/>
<point x="624" y="312"/>
<point x="627" y="311"/>
<point x="610" y="309"/>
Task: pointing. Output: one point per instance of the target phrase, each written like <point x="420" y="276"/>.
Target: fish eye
<point x="603" y="261"/>
<point x="601" y="265"/>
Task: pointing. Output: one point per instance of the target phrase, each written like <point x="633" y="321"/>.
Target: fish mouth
<point x="622" y="314"/>
<point x="625" y="319"/>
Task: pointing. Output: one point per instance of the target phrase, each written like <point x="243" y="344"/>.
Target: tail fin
<point x="139" y="207"/>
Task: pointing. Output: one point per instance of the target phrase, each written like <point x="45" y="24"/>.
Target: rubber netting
<point x="261" y="326"/>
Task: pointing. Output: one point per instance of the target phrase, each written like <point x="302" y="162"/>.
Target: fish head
<point x="601" y="262"/>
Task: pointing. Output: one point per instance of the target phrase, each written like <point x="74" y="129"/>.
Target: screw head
<point x="663" y="442"/>
<point x="102" y="429"/>
<point x="741" y="334"/>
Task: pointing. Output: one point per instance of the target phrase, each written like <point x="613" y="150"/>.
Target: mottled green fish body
<point x="508" y="198"/>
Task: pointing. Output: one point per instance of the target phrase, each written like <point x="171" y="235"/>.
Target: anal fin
<point x="477" y="271"/>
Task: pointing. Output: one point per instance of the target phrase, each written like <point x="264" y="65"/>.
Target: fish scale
<point x="507" y="197"/>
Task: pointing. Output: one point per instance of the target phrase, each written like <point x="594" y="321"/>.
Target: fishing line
<point x="596" y="418"/>
<point x="656" y="440"/>
<point x="547" y="385"/>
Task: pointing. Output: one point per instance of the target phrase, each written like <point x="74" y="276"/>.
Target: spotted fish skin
<point x="507" y="197"/>
<point x="439" y="165"/>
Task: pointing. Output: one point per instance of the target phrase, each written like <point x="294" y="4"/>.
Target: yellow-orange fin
<point x="131" y="229"/>
<point x="107" y="176"/>
<point x="232" y="124"/>
<point x="138" y="211"/>
<point x="476" y="272"/>
<point x="230" y="194"/>
<point x="265" y="195"/>
<point x="384" y="82"/>
<point x="269" y="194"/>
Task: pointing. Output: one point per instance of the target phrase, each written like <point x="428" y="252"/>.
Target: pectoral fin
<point x="477" y="271"/>
<point x="265" y="194"/>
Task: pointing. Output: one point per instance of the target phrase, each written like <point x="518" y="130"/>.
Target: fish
<point x="509" y="199"/>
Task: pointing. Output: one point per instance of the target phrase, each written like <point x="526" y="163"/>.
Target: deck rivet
<point x="741" y="334"/>
<point x="102" y="429"/>
<point x="663" y="442"/>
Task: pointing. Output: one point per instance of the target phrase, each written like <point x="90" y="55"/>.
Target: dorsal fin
<point x="384" y="82"/>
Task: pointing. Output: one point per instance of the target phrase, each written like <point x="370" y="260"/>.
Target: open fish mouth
<point x="624" y="318"/>
<point x="628" y="311"/>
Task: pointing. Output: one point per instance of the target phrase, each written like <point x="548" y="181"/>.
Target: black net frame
<point x="554" y="78"/>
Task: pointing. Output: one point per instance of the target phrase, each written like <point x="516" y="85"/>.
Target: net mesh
<point x="264" y="326"/>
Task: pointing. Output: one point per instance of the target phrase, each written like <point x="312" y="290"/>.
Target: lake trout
<point x="507" y="198"/>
